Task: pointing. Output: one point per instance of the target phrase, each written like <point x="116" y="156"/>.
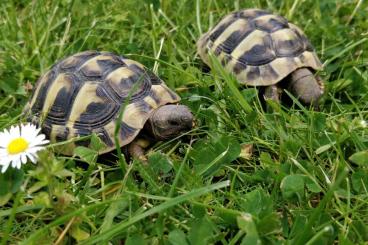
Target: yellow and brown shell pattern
<point x="84" y="93"/>
<point x="260" y="48"/>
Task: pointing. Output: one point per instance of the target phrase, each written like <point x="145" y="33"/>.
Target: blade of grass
<point x="350" y="47"/>
<point x="160" y="208"/>
<point x="178" y="174"/>
<point x="38" y="234"/>
<point x="20" y="209"/>
<point x="198" y="17"/>
<point x="119" y="119"/>
<point x="231" y="82"/>
<point x="303" y="237"/>
<point x="214" y="161"/>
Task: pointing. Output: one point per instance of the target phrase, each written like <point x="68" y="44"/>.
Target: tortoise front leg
<point x="273" y="92"/>
<point x="136" y="149"/>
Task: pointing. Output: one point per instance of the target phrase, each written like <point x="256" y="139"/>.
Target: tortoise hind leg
<point x="305" y="86"/>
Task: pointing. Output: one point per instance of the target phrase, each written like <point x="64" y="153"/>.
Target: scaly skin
<point x="302" y="83"/>
<point x="304" y="86"/>
<point x="166" y="122"/>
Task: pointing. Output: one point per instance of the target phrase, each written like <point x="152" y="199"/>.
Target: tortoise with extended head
<point x="263" y="49"/>
<point x="84" y="94"/>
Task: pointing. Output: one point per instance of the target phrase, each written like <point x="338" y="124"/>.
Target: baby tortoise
<point x="263" y="49"/>
<point x="84" y="94"/>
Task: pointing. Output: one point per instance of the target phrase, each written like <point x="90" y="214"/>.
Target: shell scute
<point x="96" y="114"/>
<point x="307" y="44"/>
<point x="236" y="37"/>
<point x="287" y="43"/>
<point x="40" y="92"/>
<point x="100" y="65"/>
<point x="75" y="60"/>
<point x="255" y="49"/>
<point x="253" y="73"/>
<point x="105" y="137"/>
<point x="126" y="132"/>
<point x="270" y="23"/>
<point x="126" y="83"/>
<point x="239" y="67"/>
<point x="250" y="13"/>
<point x="221" y="27"/>
<point x="59" y="97"/>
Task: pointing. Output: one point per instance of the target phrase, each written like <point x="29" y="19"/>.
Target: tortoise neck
<point x="148" y="128"/>
<point x="301" y="73"/>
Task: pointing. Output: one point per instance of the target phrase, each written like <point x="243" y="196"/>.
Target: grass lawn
<point x="242" y="176"/>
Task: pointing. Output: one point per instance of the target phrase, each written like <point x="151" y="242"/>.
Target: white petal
<point x="3" y="153"/>
<point x="15" y="162"/>
<point x="4" y="168"/>
<point x="19" y="163"/>
<point x="23" y="158"/>
<point x="5" y="132"/>
<point x="45" y="142"/>
<point x="34" y="127"/>
<point x="5" y="161"/>
<point x="40" y="137"/>
<point x="30" y="131"/>
<point x="35" y="149"/>
<point x="32" y="157"/>
<point x="27" y="133"/>
<point x="37" y="140"/>
<point x="10" y="158"/>
<point x="14" y="131"/>
<point x="5" y="140"/>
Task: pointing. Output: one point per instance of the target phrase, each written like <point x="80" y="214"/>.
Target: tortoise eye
<point x="173" y="122"/>
<point x="54" y="198"/>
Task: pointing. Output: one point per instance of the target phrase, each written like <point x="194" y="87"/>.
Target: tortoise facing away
<point x="263" y="49"/>
<point x="84" y="94"/>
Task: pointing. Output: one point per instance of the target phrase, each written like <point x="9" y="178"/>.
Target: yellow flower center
<point x="17" y="145"/>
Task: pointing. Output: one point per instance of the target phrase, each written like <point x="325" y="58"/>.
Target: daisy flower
<point x="19" y="143"/>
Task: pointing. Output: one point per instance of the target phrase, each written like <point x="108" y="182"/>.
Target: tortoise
<point x="85" y="93"/>
<point x="264" y="49"/>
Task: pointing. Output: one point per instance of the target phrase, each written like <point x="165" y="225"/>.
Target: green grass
<point x="306" y="181"/>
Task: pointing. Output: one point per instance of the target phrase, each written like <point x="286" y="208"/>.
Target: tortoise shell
<point x="84" y="94"/>
<point x="260" y="48"/>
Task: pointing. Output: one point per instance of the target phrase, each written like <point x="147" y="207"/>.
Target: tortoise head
<point x="169" y="121"/>
<point x="306" y="86"/>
